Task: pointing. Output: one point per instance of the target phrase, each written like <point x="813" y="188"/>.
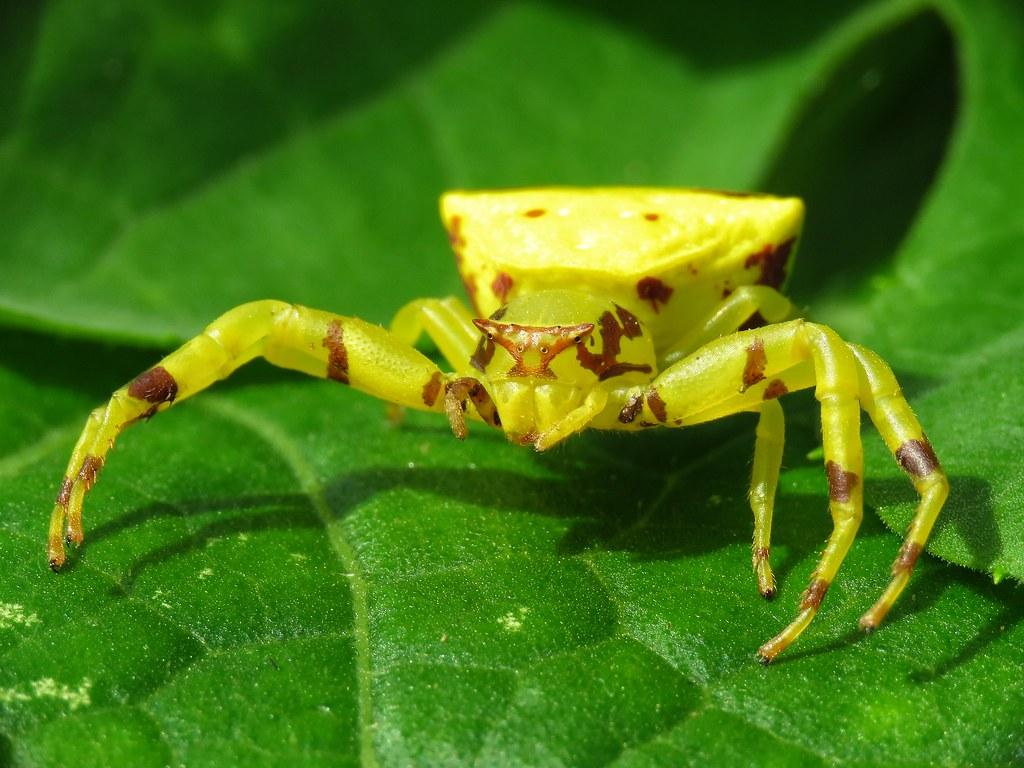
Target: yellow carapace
<point x="611" y="308"/>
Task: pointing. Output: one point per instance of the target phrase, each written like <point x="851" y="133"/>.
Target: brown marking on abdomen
<point x="772" y="259"/>
<point x="657" y="405"/>
<point x="917" y="457"/>
<point x="533" y="213"/>
<point x="155" y="386"/>
<point x="815" y="594"/>
<point x="907" y="557"/>
<point x="90" y="469"/>
<point x="652" y="216"/>
<point x="753" y="371"/>
<point x="337" y="358"/>
<point x="776" y="388"/>
<point x="469" y="283"/>
<point x="840" y="482"/>
<point x="653" y="290"/>
<point x="432" y="389"/>
<point x="629" y="411"/>
<point x="501" y="285"/>
<point x="65" y="492"/>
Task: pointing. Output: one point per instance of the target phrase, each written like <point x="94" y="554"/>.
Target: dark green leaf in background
<point x="274" y="574"/>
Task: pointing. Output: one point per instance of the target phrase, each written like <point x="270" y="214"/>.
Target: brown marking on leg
<point x="840" y="482"/>
<point x="432" y="389"/>
<point x="527" y="438"/>
<point x="501" y="285"/>
<point x="653" y="290"/>
<point x="772" y="260"/>
<point x="337" y="360"/>
<point x="534" y="213"/>
<point x="90" y="469"/>
<point x="776" y="388"/>
<point x="156" y="386"/>
<point x="657" y="405"/>
<point x="907" y="557"/>
<point x="629" y="411"/>
<point x="65" y="492"/>
<point x="917" y="457"/>
<point x="765" y="580"/>
<point x="753" y="371"/>
<point x="815" y="594"/>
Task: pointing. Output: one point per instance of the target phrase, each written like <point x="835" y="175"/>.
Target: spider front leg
<point x="347" y="350"/>
<point x="748" y="305"/>
<point x="743" y="371"/>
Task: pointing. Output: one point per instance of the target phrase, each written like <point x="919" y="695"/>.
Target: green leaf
<point x="274" y="573"/>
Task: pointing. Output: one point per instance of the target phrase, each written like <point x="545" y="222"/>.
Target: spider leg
<point x="746" y="303"/>
<point x="752" y="367"/>
<point x="345" y="349"/>
<point x="769" y="439"/>
<point x="447" y="322"/>
<point x="884" y="403"/>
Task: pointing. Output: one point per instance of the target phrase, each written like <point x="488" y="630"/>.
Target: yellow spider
<point x="614" y="308"/>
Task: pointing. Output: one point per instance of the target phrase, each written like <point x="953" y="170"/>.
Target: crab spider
<point x="602" y="308"/>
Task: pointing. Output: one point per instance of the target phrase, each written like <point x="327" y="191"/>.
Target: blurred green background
<point x="273" y="574"/>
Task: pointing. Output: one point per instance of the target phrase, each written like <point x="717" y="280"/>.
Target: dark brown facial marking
<point x="753" y="371"/>
<point x="483" y="354"/>
<point x="606" y="365"/>
<point x="337" y="355"/>
<point x="432" y="389"/>
<point x="907" y="557"/>
<point x="90" y="469"/>
<point x="501" y="285"/>
<point x="154" y="386"/>
<point x="652" y="216"/>
<point x="65" y="492"/>
<point x="815" y="594"/>
<point x="776" y="388"/>
<point x="629" y="411"/>
<point x="917" y="457"/>
<point x="541" y="343"/>
<point x="630" y="325"/>
<point x="773" y="260"/>
<point x="840" y="482"/>
<point x="653" y="290"/>
<point x="533" y="213"/>
<point x="657" y="405"/>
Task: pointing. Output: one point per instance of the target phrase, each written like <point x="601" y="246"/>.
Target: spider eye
<point x="576" y="340"/>
<point x="490" y="336"/>
<point x="543" y="350"/>
<point x="520" y="348"/>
